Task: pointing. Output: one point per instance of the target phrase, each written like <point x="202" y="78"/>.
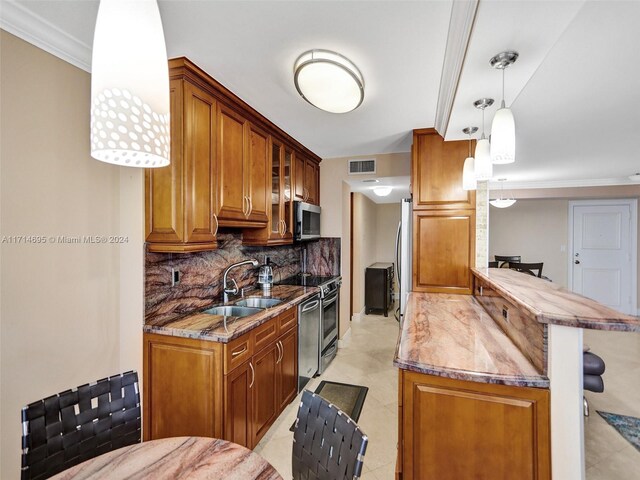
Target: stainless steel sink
<point x="259" y="302"/>
<point x="233" y="311"/>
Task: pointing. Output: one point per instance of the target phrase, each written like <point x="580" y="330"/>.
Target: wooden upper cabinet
<point x="180" y="198"/>
<point x="443" y="251"/>
<point x="233" y="204"/>
<point x="258" y="175"/>
<point x="306" y="180"/>
<point x="437" y="172"/>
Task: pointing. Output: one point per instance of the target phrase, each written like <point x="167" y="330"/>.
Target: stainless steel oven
<point x="306" y="221"/>
<point x="329" y="321"/>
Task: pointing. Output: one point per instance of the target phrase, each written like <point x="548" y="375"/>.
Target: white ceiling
<point x="574" y="88"/>
<point x="399" y="188"/>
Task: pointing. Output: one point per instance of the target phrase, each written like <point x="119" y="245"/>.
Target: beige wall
<point x="335" y="202"/>
<point x="534" y="229"/>
<point x="365" y="231"/>
<point x="64" y="309"/>
<point x="388" y="216"/>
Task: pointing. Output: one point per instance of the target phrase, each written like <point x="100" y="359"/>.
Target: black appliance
<point x="378" y="288"/>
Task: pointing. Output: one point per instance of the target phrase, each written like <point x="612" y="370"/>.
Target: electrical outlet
<point x="175" y="277"/>
<point x="505" y="313"/>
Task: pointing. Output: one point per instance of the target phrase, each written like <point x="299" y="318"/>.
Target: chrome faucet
<point x="233" y="290"/>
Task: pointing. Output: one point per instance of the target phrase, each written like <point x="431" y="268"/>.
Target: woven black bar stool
<point x="327" y="443"/>
<point x="66" y="429"/>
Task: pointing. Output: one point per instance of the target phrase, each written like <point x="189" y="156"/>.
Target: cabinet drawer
<point x="236" y="352"/>
<point x="264" y="335"/>
<point x="287" y="320"/>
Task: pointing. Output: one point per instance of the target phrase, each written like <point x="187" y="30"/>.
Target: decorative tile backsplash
<point x="200" y="283"/>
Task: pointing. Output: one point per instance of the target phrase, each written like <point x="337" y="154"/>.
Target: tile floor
<point x="367" y="360"/>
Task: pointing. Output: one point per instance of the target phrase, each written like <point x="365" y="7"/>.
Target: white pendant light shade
<point x="503" y="137"/>
<point x="468" y="175"/>
<point x="329" y="81"/>
<point x="482" y="166"/>
<point x="502" y="202"/>
<point x="130" y="85"/>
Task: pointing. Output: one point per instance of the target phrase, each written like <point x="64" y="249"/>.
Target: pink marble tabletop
<point x="205" y="326"/>
<point x="192" y="458"/>
<point x="548" y="302"/>
<point x="453" y="336"/>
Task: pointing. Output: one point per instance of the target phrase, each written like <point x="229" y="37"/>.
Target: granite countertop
<point x="453" y="336"/>
<point x="548" y="302"/>
<point x="204" y="326"/>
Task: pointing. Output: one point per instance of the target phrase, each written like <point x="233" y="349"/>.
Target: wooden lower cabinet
<point x="233" y="391"/>
<point x="453" y="429"/>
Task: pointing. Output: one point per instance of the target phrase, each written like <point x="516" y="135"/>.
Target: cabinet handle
<point x="280" y="351"/>
<point x="239" y="352"/>
<point x="250" y="206"/>
<point x="284" y="228"/>
<point x="253" y="374"/>
<point x="244" y="205"/>
<point x="215" y="217"/>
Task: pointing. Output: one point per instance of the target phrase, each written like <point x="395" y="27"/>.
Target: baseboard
<point x="345" y="340"/>
<point x="356" y="317"/>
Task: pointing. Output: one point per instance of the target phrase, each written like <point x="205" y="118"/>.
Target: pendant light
<point x="482" y="165"/>
<point x="503" y="128"/>
<point x="502" y="202"/>
<point x="468" y="172"/>
<point x="130" y="85"/>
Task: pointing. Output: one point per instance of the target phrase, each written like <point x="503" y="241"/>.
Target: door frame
<point x="633" y="245"/>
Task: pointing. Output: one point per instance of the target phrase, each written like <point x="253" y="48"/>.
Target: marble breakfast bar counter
<point x="204" y="326"/>
<point x="453" y="336"/>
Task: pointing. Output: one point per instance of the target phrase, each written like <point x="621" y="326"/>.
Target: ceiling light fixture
<point x="468" y="172"/>
<point x="328" y="81"/>
<point x="503" y="128"/>
<point x="382" y="191"/>
<point x="635" y="177"/>
<point x="130" y="85"/>
<point x="482" y="166"/>
<point x="502" y="202"/>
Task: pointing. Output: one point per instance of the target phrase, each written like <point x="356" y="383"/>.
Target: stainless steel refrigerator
<point x="403" y="256"/>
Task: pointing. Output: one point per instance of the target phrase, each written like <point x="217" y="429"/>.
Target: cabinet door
<point x="232" y="199"/>
<point x="276" y="200"/>
<point x="163" y="186"/>
<point x="199" y="159"/>
<point x="299" y="176"/>
<point x="443" y="250"/>
<point x="237" y="411"/>
<point x="311" y="181"/>
<point x="492" y="431"/>
<point x="288" y="192"/>
<point x="288" y="368"/>
<point x="437" y="173"/>
<point x="182" y="387"/>
<point x="264" y="392"/>
<point x="257" y="174"/>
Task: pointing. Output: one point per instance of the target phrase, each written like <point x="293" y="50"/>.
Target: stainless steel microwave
<point x="307" y="221"/>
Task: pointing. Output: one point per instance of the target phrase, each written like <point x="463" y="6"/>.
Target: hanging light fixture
<point x="482" y="166"/>
<point x="503" y="128"/>
<point x="502" y="202"/>
<point x="328" y="81"/>
<point x="468" y="173"/>
<point x="130" y="85"/>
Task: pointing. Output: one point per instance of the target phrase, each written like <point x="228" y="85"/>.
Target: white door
<point x="603" y="252"/>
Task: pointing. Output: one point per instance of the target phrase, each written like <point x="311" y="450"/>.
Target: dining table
<point x="176" y="458"/>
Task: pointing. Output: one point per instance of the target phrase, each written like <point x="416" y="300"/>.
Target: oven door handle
<point x="326" y="302"/>
<point x="311" y="306"/>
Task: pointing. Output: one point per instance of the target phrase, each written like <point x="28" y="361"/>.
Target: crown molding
<point x="23" y="23"/>
<point x="463" y="14"/>
<point x="594" y="182"/>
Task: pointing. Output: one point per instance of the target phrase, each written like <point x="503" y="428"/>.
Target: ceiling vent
<point x="362" y="167"/>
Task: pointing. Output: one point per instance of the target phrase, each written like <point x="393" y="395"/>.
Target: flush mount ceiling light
<point x="328" y="81"/>
<point x="635" y="177"/>
<point x="130" y="85"/>
<point x="503" y="128"/>
<point x="382" y="191"/>
<point x="482" y="165"/>
<point x="502" y="202"/>
<point x="468" y="172"/>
